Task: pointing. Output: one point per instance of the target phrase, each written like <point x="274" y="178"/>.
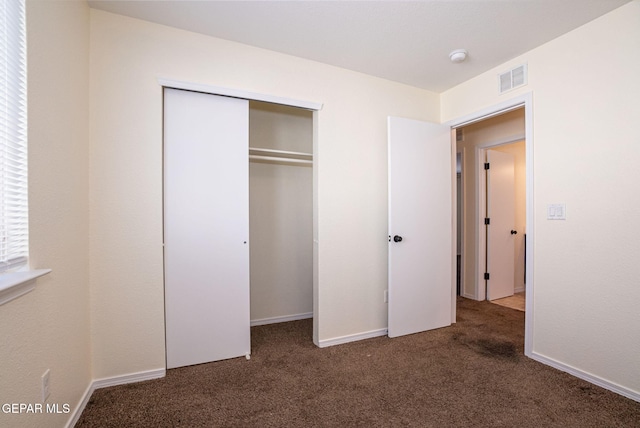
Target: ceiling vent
<point x="513" y="78"/>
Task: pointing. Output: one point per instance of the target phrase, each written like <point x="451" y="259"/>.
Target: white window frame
<point x="16" y="278"/>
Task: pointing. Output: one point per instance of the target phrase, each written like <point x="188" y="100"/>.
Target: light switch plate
<point x="556" y="212"/>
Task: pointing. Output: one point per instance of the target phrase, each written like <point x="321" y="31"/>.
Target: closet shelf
<point x="272" y="155"/>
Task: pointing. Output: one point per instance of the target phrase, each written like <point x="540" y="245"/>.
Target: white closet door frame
<point x="206" y="218"/>
<point x="238" y="93"/>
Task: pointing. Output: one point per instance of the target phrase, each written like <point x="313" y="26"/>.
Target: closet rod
<point x="280" y="159"/>
<point x="282" y="153"/>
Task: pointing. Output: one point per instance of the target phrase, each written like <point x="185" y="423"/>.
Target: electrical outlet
<point x="45" y="385"/>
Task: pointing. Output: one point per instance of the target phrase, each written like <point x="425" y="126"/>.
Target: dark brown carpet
<point x="472" y="374"/>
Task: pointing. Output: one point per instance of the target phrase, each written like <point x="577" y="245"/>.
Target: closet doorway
<point x="235" y="170"/>
<point x="280" y="212"/>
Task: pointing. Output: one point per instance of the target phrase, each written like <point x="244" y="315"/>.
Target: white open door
<point x="500" y="231"/>
<point x="206" y="227"/>
<point x="420" y="226"/>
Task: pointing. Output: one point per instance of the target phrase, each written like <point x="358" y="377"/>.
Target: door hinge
<point x="486" y="165"/>
<point x="487" y="221"/>
<point x="486" y="276"/>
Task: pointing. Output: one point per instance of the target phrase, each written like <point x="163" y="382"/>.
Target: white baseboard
<point x="519" y="290"/>
<point x="611" y="386"/>
<point x="352" y="338"/>
<point x="286" y="318"/>
<point x="112" y="381"/>
<point x="77" y="411"/>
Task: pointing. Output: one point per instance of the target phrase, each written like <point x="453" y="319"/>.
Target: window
<point x="14" y="213"/>
<point x="14" y="228"/>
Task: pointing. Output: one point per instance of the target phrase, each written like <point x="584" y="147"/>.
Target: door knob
<point x="514" y="232"/>
<point x="397" y="238"/>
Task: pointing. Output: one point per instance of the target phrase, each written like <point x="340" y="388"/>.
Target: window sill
<point x="16" y="284"/>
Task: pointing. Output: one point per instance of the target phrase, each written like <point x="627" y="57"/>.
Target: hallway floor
<point x="517" y="301"/>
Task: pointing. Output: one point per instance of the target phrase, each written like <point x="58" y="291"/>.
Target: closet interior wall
<point x="280" y="215"/>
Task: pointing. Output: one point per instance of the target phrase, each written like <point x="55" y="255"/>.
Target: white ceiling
<point x="407" y="42"/>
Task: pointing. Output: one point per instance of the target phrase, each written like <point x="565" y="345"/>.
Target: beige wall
<point x="586" y="151"/>
<point x="495" y="130"/>
<point x="280" y="214"/>
<point x="127" y="56"/>
<point x="49" y="327"/>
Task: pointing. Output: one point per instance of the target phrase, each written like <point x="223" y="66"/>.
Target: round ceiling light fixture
<point x="458" y="55"/>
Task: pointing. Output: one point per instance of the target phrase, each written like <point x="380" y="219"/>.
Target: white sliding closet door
<point x="206" y="227"/>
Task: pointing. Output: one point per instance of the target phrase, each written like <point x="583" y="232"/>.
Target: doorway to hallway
<point x="501" y="136"/>
<point x="472" y="286"/>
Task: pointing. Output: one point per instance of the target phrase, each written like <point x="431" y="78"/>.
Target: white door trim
<point x="238" y="93"/>
<point x="525" y="100"/>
